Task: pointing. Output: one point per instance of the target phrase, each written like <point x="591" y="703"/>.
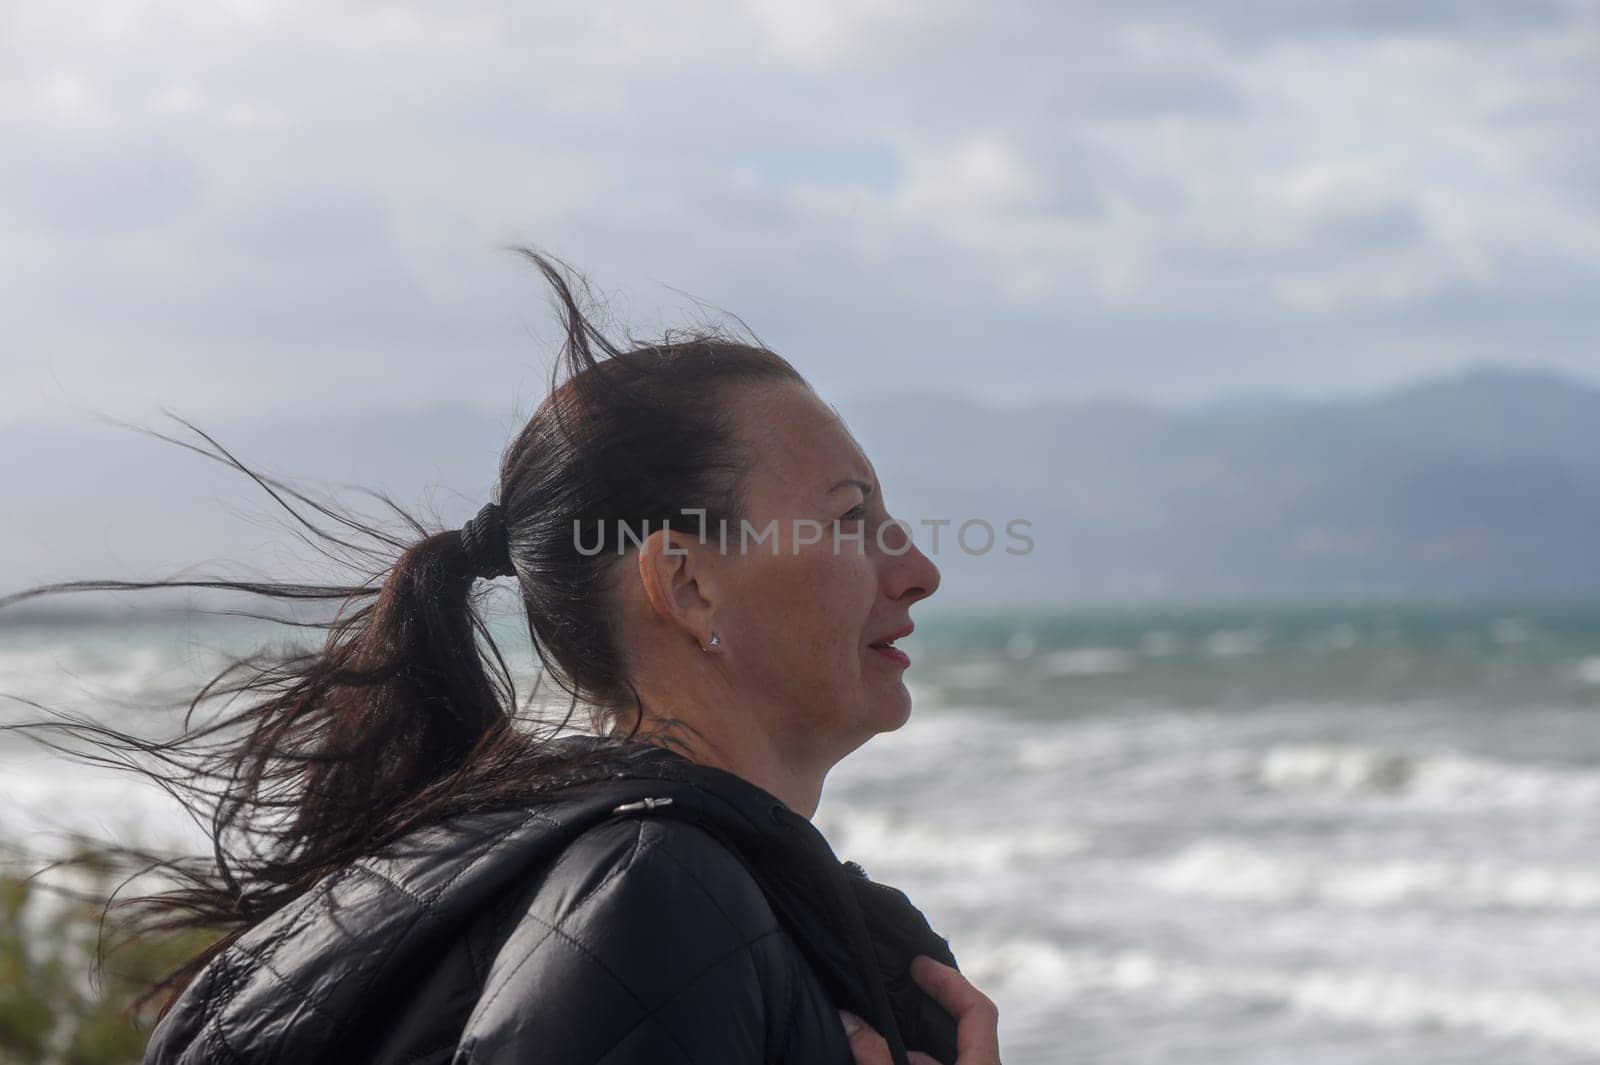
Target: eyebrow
<point x="866" y="489"/>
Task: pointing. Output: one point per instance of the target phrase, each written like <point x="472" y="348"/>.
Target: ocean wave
<point x="72" y="677"/>
<point x="1088" y="661"/>
<point x="1236" y="872"/>
<point x="905" y="844"/>
<point x="1335" y="767"/>
<point x="1024" y="971"/>
<point x="973" y="673"/>
<point x="1587" y="670"/>
<point x="1021" y="645"/>
<point x="1353" y="769"/>
<point x="1234" y="643"/>
<point x="42" y="797"/>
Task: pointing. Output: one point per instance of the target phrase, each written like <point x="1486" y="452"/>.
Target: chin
<point x="891" y="709"/>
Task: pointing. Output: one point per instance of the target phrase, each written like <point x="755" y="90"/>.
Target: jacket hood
<point x="305" y="977"/>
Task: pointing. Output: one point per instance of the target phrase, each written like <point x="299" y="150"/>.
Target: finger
<point x="977" y="1017"/>
<point x="866" y="1045"/>
<point x="948" y="986"/>
<point x="917" y="1057"/>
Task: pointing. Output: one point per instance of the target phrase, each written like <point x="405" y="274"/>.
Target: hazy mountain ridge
<point x="1482" y="484"/>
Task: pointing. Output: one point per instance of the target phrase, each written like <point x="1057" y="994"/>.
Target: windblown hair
<point x="407" y="713"/>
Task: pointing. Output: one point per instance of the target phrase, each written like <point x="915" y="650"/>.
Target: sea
<point x="1322" y="834"/>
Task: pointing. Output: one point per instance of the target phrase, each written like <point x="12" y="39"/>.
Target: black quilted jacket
<point x="603" y="925"/>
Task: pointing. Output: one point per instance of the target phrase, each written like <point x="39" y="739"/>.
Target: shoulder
<point x="661" y="867"/>
<point x="640" y="934"/>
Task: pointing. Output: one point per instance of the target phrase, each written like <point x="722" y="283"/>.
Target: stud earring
<point x="715" y="640"/>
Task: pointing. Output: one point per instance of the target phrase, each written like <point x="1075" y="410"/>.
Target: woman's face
<point x="801" y="608"/>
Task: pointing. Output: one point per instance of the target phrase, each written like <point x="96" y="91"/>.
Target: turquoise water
<point x="1315" y="834"/>
<point x="1039" y="663"/>
<point x="1483" y="655"/>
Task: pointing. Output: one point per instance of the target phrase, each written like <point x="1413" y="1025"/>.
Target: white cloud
<point x="971" y="191"/>
<point x="213" y="205"/>
<point x="826" y="34"/>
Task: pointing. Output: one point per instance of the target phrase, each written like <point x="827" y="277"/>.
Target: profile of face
<point x="798" y="614"/>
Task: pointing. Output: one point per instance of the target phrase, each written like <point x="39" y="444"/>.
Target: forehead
<point x="800" y="445"/>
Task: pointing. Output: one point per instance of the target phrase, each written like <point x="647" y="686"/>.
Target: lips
<point x="893" y="654"/>
<point x="888" y="638"/>
<point x="884" y="646"/>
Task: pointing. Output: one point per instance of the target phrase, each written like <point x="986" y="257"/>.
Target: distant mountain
<point x="1484" y="484"/>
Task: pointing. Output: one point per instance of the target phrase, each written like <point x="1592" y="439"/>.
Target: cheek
<point x="814" y="610"/>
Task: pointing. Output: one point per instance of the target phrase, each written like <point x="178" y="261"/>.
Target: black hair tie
<point x="484" y="540"/>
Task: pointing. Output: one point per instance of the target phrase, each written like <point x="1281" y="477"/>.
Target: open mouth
<point x="886" y="648"/>
<point x="892" y="653"/>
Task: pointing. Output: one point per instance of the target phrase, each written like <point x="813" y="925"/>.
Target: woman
<point x="705" y="559"/>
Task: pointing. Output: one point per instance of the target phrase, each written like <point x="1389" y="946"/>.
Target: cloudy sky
<point x="241" y="207"/>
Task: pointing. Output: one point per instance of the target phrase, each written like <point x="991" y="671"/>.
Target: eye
<point x="856" y="513"/>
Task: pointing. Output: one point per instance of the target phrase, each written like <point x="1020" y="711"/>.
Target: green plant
<point x="64" y="987"/>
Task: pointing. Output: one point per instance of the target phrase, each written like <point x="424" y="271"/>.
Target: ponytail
<point x="398" y="720"/>
<point x="398" y="702"/>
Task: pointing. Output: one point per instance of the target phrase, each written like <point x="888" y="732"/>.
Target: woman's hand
<point x="977" y="1020"/>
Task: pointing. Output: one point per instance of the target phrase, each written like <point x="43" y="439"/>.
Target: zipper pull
<point x="643" y="804"/>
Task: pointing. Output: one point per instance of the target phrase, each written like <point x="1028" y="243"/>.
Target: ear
<point x="678" y="582"/>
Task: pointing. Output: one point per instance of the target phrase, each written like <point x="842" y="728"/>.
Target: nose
<point x="911" y="575"/>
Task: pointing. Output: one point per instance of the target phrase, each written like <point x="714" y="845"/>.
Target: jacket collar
<point x="636" y="760"/>
<point x="859" y="936"/>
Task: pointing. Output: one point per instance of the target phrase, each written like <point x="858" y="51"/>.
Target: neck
<point x="705" y="731"/>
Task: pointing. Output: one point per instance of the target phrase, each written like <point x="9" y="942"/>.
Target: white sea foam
<point x="1334" y="767"/>
<point x="1129" y="747"/>
<point x="1048" y="754"/>
<point x="905" y="844"/>
<point x="976" y="673"/>
<point x="1237" y="872"/>
<point x="45" y="795"/>
<point x="1588" y="669"/>
<point x="1440" y="777"/>
<point x="79" y="678"/>
<point x="1028" y="970"/>
<point x="1088" y="661"/>
<point x="1510" y="631"/>
<point x="1021" y="645"/>
<point x="1234" y="643"/>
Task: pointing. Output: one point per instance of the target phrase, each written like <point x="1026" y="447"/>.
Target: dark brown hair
<point x="407" y="713"/>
